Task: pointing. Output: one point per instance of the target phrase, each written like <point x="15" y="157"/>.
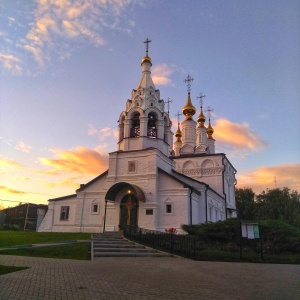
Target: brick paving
<point x="147" y="278"/>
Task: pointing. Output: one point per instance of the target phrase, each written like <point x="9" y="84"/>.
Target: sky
<point x="67" y="68"/>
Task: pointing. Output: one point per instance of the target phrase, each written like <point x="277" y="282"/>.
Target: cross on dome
<point x="201" y="97"/>
<point x="168" y="103"/>
<point x="188" y="81"/>
<point x="147" y="45"/>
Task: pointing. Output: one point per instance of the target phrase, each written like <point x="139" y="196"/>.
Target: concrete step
<point x="130" y="254"/>
<point x="115" y="245"/>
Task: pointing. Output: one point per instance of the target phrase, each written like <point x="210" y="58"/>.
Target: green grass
<point x="12" y="238"/>
<point x="70" y="251"/>
<point x="79" y="251"/>
<point x="10" y="269"/>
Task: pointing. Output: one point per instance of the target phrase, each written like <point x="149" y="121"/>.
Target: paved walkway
<point x="147" y="278"/>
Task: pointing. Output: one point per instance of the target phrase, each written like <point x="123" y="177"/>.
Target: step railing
<point x="182" y="245"/>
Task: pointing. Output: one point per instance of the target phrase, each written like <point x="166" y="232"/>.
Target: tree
<point x="1" y="206"/>
<point x="245" y="204"/>
<point x="279" y="204"/>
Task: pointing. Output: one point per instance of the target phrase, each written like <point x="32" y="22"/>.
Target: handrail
<point x="179" y="244"/>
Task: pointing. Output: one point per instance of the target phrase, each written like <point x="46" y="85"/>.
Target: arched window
<point x="135" y="125"/>
<point x="121" y="128"/>
<point x="152" y="131"/>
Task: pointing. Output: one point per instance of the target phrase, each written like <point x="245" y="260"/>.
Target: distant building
<point x="152" y="182"/>
<point x="26" y="216"/>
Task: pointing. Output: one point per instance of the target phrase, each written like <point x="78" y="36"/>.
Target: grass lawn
<point x="79" y="251"/>
<point x="12" y="238"/>
<point x="69" y="251"/>
<point x="10" y="269"/>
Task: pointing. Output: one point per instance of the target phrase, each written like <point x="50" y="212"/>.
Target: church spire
<point x="189" y="110"/>
<point x="146" y="80"/>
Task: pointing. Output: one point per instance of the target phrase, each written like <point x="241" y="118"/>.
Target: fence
<point x="182" y="245"/>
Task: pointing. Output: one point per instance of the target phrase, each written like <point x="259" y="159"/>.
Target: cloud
<point x="73" y="19"/>
<point x="161" y="74"/>
<point x="79" y="161"/>
<point x="6" y="162"/>
<point x="23" y="147"/>
<point x="11" y="63"/>
<point x="8" y="190"/>
<point x="102" y="133"/>
<point x="67" y="182"/>
<point x="237" y="137"/>
<point x="269" y="177"/>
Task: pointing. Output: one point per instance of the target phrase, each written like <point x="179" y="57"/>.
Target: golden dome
<point x="209" y="130"/>
<point x="178" y="134"/>
<point x="201" y="118"/>
<point x="147" y="59"/>
<point x="189" y="110"/>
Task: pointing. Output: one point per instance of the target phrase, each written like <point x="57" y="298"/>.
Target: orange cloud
<point x="78" y="161"/>
<point x="10" y="191"/>
<point x="259" y="179"/>
<point x="237" y="136"/>
<point x="68" y="182"/>
<point x="5" y="162"/>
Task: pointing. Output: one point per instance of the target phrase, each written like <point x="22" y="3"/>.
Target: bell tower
<point x="144" y="123"/>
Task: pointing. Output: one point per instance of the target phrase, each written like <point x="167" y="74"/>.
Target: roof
<point x="83" y="186"/>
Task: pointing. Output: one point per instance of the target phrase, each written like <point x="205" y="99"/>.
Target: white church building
<point x="152" y="182"/>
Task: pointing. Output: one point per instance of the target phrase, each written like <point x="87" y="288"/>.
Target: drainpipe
<point x="191" y="206"/>
<point x="105" y="215"/>
<point x="83" y="200"/>
<point x="223" y="177"/>
<point x="206" y="188"/>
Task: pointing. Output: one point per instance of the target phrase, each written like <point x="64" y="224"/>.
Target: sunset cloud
<point x="6" y="162"/>
<point x="161" y="74"/>
<point x="73" y="19"/>
<point x="102" y="133"/>
<point x="259" y="179"/>
<point x="23" y="147"/>
<point x="8" y="190"/>
<point x="11" y="63"/>
<point x="79" y="161"/>
<point x="237" y="137"/>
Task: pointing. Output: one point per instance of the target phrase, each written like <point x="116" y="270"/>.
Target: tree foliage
<point x="275" y="204"/>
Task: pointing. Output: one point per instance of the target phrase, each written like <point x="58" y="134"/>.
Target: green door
<point x="128" y="211"/>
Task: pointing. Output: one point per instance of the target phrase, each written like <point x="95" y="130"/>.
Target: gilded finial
<point x="147" y="58"/>
<point x="209" y="130"/>
<point x="189" y="110"/>
<point x="178" y="133"/>
<point x="201" y="118"/>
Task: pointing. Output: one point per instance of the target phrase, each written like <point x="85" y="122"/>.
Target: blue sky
<point x="68" y="67"/>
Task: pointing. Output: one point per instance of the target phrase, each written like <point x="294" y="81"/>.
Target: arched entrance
<point x="129" y="211"/>
<point x="130" y="196"/>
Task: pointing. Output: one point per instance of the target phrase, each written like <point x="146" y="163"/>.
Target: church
<point x="151" y="181"/>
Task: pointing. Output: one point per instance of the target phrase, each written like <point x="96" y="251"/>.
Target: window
<point x="64" y="213"/>
<point x="149" y="211"/>
<point x="95" y="208"/>
<point x="168" y="208"/>
<point x="131" y="167"/>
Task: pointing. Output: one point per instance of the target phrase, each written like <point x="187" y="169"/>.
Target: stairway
<point x="113" y="244"/>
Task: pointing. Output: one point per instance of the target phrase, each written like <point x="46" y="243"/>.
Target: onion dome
<point x="178" y="134"/>
<point x="189" y="110"/>
<point x="146" y="59"/>
<point x="201" y="118"/>
<point x="209" y="130"/>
